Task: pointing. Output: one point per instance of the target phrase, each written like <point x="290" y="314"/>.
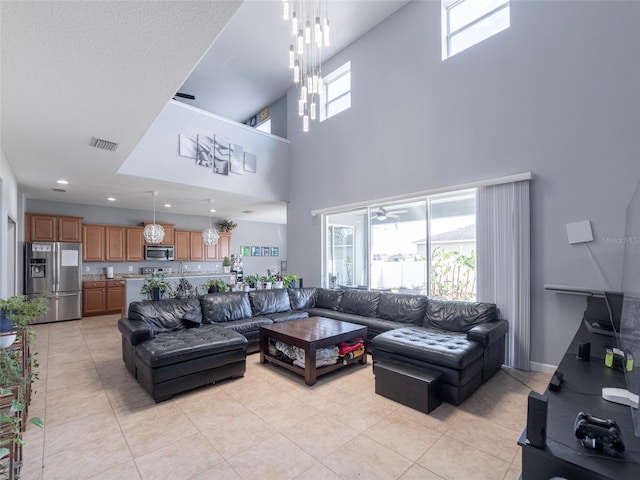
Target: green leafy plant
<point x="289" y="280"/>
<point x="453" y="274"/>
<point x="266" y="278"/>
<point x="215" y="282"/>
<point x="227" y="225"/>
<point x="251" y="280"/>
<point x="226" y="262"/>
<point x="22" y="311"/>
<point x="157" y="280"/>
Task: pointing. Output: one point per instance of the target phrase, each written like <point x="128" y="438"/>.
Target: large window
<point x="336" y="96"/>
<point x="422" y="246"/>
<point x="467" y="22"/>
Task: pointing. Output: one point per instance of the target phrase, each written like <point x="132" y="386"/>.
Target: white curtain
<point x="503" y="243"/>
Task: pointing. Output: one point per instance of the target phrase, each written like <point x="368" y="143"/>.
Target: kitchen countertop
<point x="129" y="276"/>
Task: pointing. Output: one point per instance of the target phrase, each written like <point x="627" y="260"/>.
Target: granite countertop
<point x="130" y="276"/>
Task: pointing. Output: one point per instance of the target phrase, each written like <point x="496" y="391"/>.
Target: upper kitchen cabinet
<point x="93" y="242"/>
<point x="182" y="242"/>
<point x="168" y="232"/>
<point x="115" y="244"/>
<point x="52" y="228"/>
<point x="135" y="244"/>
<point x="224" y="245"/>
<point x="197" y="245"/>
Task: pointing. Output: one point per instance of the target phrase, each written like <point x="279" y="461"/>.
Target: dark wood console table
<point x="581" y="391"/>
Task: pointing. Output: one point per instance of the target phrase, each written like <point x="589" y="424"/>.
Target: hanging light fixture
<point x="154" y="233"/>
<point x="210" y="235"/>
<point x="305" y="52"/>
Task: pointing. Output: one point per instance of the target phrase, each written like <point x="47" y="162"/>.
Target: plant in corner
<point x="215" y="285"/>
<point x="227" y="225"/>
<point x="290" y="281"/>
<point x="226" y="265"/>
<point x="155" y="287"/>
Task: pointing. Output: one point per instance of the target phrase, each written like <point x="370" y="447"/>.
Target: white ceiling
<point x="72" y="71"/>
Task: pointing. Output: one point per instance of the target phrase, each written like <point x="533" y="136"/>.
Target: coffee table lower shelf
<point x="319" y="370"/>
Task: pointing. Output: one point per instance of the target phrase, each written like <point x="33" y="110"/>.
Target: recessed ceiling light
<point x="111" y="199"/>
<point x="62" y="182"/>
<point x="167" y="205"/>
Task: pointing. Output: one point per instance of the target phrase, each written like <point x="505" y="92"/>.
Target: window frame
<point x="327" y="81"/>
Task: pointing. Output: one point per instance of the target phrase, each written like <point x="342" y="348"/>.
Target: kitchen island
<point x="133" y="284"/>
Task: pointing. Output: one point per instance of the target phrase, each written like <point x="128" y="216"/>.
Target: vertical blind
<point x="504" y="261"/>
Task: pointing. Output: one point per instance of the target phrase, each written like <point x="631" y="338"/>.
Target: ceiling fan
<point x="382" y="214"/>
<point x="184" y="95"/>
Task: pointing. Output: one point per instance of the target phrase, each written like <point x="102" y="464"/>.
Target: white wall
<point x="8" y="208"/>
<point x="556" y="94"/>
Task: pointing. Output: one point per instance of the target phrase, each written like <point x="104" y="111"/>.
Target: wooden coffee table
<point x="310" y="334"/>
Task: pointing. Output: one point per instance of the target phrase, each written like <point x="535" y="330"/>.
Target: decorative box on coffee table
<point x="409" y="385"/>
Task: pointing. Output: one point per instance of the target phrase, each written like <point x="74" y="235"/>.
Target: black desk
<point x="582" y="391"/>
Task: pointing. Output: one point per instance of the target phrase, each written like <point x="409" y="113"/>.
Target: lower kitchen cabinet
<point x="102" y="297"/>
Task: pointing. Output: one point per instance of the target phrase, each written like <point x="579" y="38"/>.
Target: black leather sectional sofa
<point x="174" y="345"/>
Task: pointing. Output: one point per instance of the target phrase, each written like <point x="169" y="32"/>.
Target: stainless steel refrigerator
<point x="55" y="267"/>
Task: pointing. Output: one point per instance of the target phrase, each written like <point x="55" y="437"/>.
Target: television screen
<point x="629" y="338"/>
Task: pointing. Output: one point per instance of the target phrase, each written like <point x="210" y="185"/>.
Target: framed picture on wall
<point x="245" y="251"/>
<point x="255" y="251"/>
<point x="266" y="252"/>
<point x="275" y="251"/>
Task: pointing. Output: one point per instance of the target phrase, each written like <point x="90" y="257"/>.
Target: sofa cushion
<point x="286" y="316"/>
<point x="329" y="299"/>
<point x="225" y="307"/>
<point x="301" y="298"/>
<point x="360" y="302"/>
<point x="264" y="302"/>
<point x="166" y="315"/>
<point x="245" y="325"/>
<point x="450" y="349"/>
<point x="169" y="348"/>
<point x="402" y="307"/>
<point x="458" y="316"/>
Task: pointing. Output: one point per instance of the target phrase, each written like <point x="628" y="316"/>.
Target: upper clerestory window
<point x="468" y="22"/>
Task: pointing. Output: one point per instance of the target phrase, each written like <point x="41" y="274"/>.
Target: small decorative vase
<point x="156" y="294"/>
<point x="213" y="289"/>
<point x="278" y="284"/>
<point x="226" y="269"/>
<point x="246" y="288"/>
<point x="7" y="336"/>
<point x="267" y="285"/>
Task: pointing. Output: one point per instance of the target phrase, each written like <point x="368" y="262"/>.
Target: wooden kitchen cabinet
<point x="93" y="242"/>
<point x="52" y="228"/>
<point x="182" y="242"/>
<point x="115" y="244"/>
<point x="114" y="296"/>
<point x="224" y="245"/>
<point x="134" y="244"/>
<point x="196" y="245"/>
<point x="94" y="300"/>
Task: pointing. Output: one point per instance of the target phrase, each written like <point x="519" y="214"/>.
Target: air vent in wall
<point x="59" y="190"/>
<point x="104" y="144"/>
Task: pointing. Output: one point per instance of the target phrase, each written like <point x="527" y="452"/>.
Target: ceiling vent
<point x="104" y="144"/>
<point x="62" y="190"/>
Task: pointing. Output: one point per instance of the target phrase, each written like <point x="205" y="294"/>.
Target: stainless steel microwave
<point x="158" y="252"/>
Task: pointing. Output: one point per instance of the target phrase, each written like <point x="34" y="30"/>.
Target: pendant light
<point x="210" y="235"/>
<point x="154" y="233"/>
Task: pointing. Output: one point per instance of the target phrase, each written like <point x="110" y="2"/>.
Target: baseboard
<point x="542" y="367"/>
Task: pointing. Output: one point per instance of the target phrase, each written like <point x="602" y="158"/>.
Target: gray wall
<point x="246" y="233"/>
<point x="556" y="94"/>
<point x="278" y="116"/>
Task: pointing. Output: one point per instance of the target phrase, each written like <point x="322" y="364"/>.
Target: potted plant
<point x="155" y="287"/>
<point x="215" y="285"/>
<point x="266" y="282"/>
<point x="291" y="281"/>
<point x="251" y="280"/>
<point x="19" y="312"/>
<point x="227" y="225"/>
<point x="226" y="265"/>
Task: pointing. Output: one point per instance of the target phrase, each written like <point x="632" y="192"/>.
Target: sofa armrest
<point x="488" y="332"/>
<point x="134" y="330"/>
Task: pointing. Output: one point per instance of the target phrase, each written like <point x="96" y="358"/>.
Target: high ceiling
<point x="72" y="71"/>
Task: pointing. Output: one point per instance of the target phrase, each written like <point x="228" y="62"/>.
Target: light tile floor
<point x="100" y="424"/>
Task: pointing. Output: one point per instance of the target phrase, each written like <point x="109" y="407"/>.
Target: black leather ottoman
<point x="458" y="359"/>
<point x="174" y="362"/>
<point x="414" y="387"/>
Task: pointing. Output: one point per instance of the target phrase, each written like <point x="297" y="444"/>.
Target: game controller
<point x="599" y="434"/>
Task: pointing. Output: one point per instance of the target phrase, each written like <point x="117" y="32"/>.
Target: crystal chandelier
<point x="154" y="233"/>
<point x="210" y="235"/>
<point x="310" y="32"/>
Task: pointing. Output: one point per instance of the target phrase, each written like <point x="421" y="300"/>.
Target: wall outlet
<point x="199" y="266"/>
<point x="131" y="268"/>
<point x="87" y="269"/>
